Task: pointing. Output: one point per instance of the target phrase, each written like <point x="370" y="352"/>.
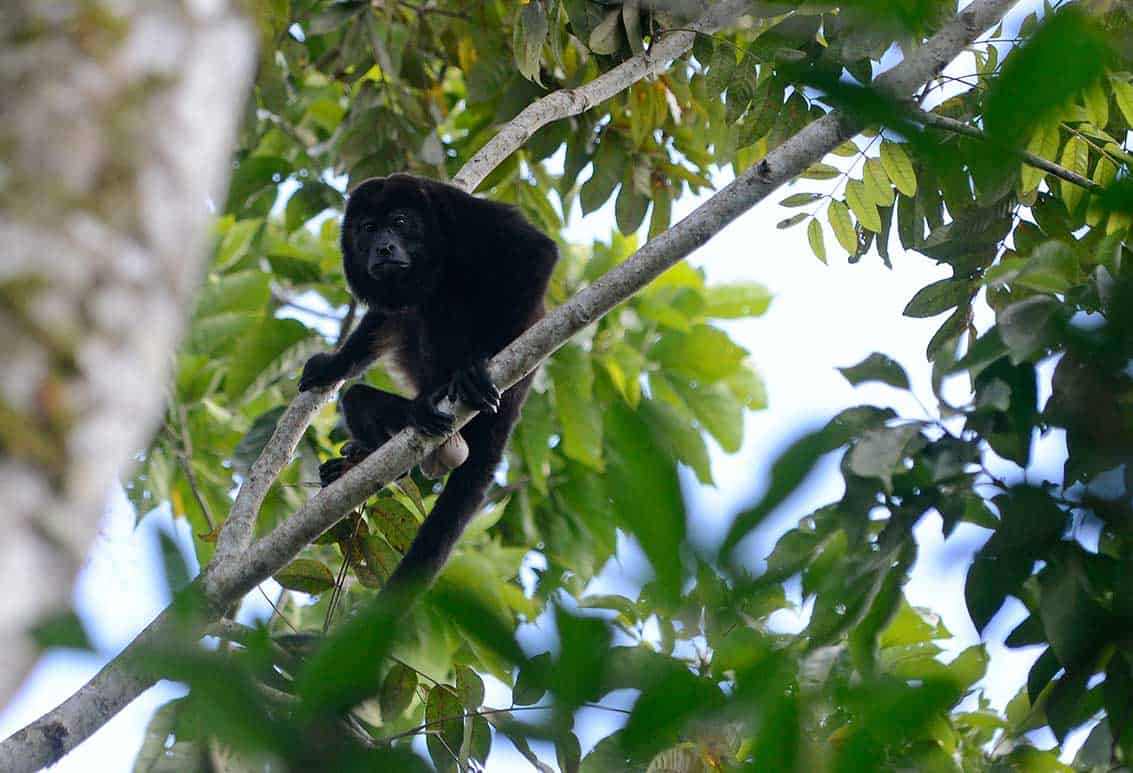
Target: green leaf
<point x="877" y="184"/>
<point x="236" y="242"/>
<point x="676" y="434"/>
<point x="1044" y="144"/>
<point x="1052" y="268"/>
<point x="800" y="199"/>
<point x="747" y="385"/>
<point x="820" y="172"/>
<point x="60" y="629"/>
<point x="717" y="409"/>
<point x="880" y="452"/>
<point x="1065" y="54"/>
<point x="1071" y="617"/>
<point x="630" y="208"/>
<point x="1097" y="103"/>
<point x="568" y="752"/>
<point x="704" y="353"/>
<point x="470" y="687"/>
<point x="305" y="575"/>
<point x="663" y="709"/>
<point x="259" y="349"/>
<point x="577" y="411"/>
<point x="397" y="522"/>
<point x="877" y="367"/>
<point x="938" y="297"/>
<point x="527" y="45"/>
<point x="531" y="682"/>
<point x="584" y="647"/>
<point x="533" y="436"/>
<point x="445" y="716"/>
<point x="1024" y="325"/>
<point x="610" y="162"/>
<point x="793" y="220"/>
<point x="862" y="206"/>
<point x="721" y="67"/>
<point x="899" y="168"/>
<point x="787" y="473"/>
<point x="843" y="227"/>
<point x="1123" y="95"/>
<point x="398" y="689"/>
<point x="243" y="291"/>
<point x="309" y="200"/>
<point x="255" y="175"/>
<point x="814" y="236"/>
<point x="253" y="442"/>
<point x="606" y="37"/>
<point x="950" y="330"/>
<point x="1076" y="158"/>
<point x="647" y="496"/>
<point x="735" y="300"/>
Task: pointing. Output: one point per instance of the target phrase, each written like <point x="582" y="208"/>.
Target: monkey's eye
<point x="369" y="227"/>
<point x="399" y="221"/>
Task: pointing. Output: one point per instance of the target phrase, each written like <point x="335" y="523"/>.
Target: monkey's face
<point x="390" y="250"/>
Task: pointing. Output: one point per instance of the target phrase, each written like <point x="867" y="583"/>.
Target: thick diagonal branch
<point x="224" y="582"/>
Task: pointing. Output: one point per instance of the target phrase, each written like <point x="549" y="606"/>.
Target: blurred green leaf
<point x="877" y="367"/>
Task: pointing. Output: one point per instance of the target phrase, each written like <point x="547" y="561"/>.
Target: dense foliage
<point x="349" y="89"/>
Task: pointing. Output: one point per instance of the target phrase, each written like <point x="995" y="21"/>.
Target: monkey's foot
<point x="473" y="385"/>
<point x="426" y="417"/>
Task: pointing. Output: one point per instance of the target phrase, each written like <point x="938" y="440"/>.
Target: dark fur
<point x="445" y="290"/>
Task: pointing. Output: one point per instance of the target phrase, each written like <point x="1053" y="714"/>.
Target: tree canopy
<point x="1013" y="174"/>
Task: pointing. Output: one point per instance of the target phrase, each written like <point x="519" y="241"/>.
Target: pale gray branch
<point x="567" y="102"/>
<point x="224" y="582"/>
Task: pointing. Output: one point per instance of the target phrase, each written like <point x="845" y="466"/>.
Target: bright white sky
<point x="822" y="317"/>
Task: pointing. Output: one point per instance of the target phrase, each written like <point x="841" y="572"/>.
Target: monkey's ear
<point x="439" y="201"/>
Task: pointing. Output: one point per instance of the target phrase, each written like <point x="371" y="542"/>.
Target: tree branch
<point x="959" y="127"/>
<point x="223" y="582"/>
<point x="567" y="102"/>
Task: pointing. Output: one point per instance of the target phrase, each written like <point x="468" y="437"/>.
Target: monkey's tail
<point x="487" y="436"/>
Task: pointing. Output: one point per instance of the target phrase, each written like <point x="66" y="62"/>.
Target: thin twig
<point x="937" y="121"/>
<point x="187" y="465"/>
<point x="282" y="298"/>
<point x="423" y="727"/>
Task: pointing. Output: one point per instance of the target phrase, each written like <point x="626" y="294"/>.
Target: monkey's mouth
<point x="388" y="270"/>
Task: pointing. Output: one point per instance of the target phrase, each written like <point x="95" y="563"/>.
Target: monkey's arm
<point x="360" y="350"/>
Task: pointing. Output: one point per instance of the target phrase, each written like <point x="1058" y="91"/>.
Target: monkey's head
<point x="392" y="245"/>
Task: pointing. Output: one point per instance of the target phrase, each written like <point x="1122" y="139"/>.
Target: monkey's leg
<point x="372" y="417"/>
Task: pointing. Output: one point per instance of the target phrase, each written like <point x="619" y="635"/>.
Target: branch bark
<point x="102" y="222"/>
<point x="223" y="582"/>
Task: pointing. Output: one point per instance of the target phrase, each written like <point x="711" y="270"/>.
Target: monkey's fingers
<point x="473" y="385"/>
<point x="321" y="370"/>
<point x="355" y="451"/>
<point x="333" y="469"/>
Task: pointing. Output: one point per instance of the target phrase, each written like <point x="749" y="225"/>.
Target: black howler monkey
<point x="448" y="281"/>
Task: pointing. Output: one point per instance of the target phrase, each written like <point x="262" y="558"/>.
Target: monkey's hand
<point x="424" y="416"/>
<point x="352" y="455"/>
<point x="472" y="385"/>
<point x="321" y="370"/>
